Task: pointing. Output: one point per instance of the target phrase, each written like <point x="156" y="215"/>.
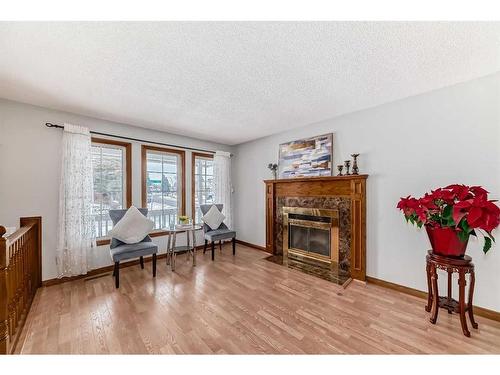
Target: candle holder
<point x="273" y="168"/>
<point x="347" y="164"/>
<point x="355" y="168"/>
<point x="340" y="167"/>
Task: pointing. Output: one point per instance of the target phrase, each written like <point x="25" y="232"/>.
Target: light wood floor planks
<point x="239" y="305"/>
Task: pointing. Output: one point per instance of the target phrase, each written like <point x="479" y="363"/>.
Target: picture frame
<point x="306" y="157"/>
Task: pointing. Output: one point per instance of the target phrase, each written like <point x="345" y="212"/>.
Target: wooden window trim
<point x="103" y="241"/>
<point x="128" y="173"/>
<point x="182" y="155"/>
<point x="194" y="155"/>
<point x="155" y="233"/>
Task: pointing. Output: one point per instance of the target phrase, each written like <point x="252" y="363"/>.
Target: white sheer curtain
<point x="222" y="184"/>
<point x="76" y="232"/>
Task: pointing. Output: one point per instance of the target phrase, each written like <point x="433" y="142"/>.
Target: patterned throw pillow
<point x="132" y="228"/>
<point x="213" y="218"/>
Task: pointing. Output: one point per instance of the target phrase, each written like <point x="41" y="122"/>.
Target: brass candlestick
<point x="347" y="164"/>
<point x="355" y="168"/>
<point x="340" y="167"/>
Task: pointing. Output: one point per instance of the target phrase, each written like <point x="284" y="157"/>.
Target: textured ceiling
<point x="232" y="82"/>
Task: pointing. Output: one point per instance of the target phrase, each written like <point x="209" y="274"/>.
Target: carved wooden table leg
<point x="435" y="295"/>
<point x="450" y="308"/>
<point x="471" y="295"/>
<point x="429" y="287"/>
<point x="461" y="301"/>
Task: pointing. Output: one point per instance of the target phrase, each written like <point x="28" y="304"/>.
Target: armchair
<point x="121" y="251"/>
<point x="219" y="234"/>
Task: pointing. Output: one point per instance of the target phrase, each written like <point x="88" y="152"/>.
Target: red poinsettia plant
<point x="465" y="209"/>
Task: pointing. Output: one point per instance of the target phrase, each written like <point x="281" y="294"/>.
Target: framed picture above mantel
<point x="308" y="157"/>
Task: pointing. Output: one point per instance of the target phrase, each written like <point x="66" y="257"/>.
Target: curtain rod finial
<point x="51" y="125"/>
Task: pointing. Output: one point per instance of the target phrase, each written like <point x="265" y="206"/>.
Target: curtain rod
<point x="50" y="125"/>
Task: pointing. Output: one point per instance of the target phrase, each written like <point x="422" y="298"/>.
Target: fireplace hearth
<point x="310" y="238"/>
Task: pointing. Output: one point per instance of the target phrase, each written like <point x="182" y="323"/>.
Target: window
<point x="162" y="184"/>
<point x="112" y="180"/>
<point x="202" y="183"/>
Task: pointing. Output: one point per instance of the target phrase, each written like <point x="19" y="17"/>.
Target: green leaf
<point x="446" y="218"/>
<point x="463" y="236"/>
<point x="465" y="226"/>
<point x="491" y="236"/>
<point x="448" y="213"/>
<point x="487" y="244"/>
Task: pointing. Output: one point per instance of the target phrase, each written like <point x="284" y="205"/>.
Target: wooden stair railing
<point x="20" y="277"/>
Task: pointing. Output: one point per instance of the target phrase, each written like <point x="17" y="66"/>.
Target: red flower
<point x="427" y="201"/>
<point x="456" y="206"/>
<point x="408" y="204"/>
<point x="447" y="195"/>
<point x="461" y="192"/>
<point x="460" y="209"/>
<point x="479" y="191"/>
<point x="483" y="214"/>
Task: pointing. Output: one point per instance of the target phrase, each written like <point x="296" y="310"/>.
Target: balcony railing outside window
<point x="203" y="184"/>
<point x="108" y="165"/>
<point x="163" y="187"/>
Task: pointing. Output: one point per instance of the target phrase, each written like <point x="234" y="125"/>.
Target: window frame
<point x="194" y="155"/>
<point x="182" y="178"/>
<point x="128" y="174"/>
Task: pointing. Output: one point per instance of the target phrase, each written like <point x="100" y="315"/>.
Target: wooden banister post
<point x="4" y="331"/>
<point x="37" y="221"/>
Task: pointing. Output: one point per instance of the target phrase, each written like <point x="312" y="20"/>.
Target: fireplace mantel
<point x="352" y="187"/>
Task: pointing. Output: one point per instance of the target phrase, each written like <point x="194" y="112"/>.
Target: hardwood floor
<point x="243" y="304"/>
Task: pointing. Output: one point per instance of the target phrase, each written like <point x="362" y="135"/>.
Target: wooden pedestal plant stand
<point x="462" y="266"/>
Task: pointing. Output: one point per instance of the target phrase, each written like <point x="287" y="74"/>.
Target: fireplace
<point x="318" y="225"/>
<point x="311" y="233"/>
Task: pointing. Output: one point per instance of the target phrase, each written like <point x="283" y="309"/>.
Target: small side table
<point x="189" y="248"/>
<point x="462" y="266"/>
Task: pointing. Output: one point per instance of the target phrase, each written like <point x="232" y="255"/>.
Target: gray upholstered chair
<point x="121" y="251"/>
<point x="219" y="234"/>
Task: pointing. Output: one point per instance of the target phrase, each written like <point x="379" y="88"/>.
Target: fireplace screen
<point x="313" y="240"/>
<point x="311" y="233"/>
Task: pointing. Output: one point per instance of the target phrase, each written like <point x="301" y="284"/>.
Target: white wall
<point x="407" y="147"/>
<point x="30" y="157"/>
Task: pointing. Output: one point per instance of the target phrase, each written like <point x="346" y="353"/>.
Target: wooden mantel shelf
<point x="322" y="178"/>
<point x="351" y="186"/>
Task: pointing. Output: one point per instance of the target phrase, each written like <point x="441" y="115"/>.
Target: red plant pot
<point x="445" y="241"/>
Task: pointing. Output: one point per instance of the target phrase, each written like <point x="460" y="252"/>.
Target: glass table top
<point x="184" y="227"/>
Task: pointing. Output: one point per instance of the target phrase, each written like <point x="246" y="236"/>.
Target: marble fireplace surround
<point x="345" y="193"/>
